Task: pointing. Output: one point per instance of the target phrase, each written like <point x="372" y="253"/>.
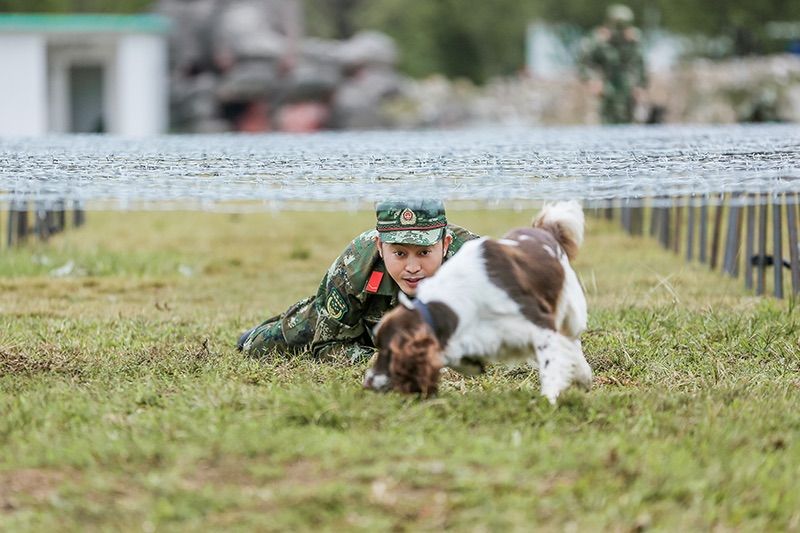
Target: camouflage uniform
<point x="337" y="323"/>
<point x="614" y="52"/>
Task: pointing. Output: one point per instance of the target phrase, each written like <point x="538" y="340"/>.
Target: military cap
<point x="619" y="13"/>
<point x="420" y="222"/>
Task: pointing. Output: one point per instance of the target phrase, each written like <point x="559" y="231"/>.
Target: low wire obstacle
<point x="695" y="188"/>
<point x="492" y="167"/>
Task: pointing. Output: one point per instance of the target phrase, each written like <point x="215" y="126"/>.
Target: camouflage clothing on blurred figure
<point x="613" y="53"/>
<point x="337" y="323"/>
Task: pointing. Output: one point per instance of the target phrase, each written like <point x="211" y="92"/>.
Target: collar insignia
<point x="374" y="281"/>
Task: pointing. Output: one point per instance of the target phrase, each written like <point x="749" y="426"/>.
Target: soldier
<point x="612" y="61"/>
<point x="410" y="242"/>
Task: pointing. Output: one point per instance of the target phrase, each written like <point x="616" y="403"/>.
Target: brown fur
<point x="528" y="273"/>
<point x="408" y="350"/>
<point x="566" y="242"/>
<point x="416" y="363"/>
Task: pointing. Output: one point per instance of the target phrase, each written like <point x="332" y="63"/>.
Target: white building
<point x="83" y="73"/>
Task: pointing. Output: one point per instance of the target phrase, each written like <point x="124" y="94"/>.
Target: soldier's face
<point x="409" y="264"/>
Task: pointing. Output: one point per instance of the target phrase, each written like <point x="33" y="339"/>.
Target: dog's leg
<point x="561" y="363"/>
<point x="583" y="372"/>
<point x="571" y="313"/>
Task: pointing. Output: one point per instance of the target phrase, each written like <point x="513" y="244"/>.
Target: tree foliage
<point x="460" y="38"/>
<point x="477" y="39"/>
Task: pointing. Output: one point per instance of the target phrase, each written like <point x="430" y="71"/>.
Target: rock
<point x="250" y="79"/>
<point x="254" y="29"/>
<point x="369" y="48"/>
<point x="239" y="62"/>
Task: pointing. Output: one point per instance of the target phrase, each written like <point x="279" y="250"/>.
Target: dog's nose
<point x="368" y="379"/>
<point x="376" y="382"/>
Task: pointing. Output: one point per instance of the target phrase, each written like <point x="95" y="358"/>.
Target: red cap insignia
<point x="374" y="281"/>
<point x="408" y="217"/>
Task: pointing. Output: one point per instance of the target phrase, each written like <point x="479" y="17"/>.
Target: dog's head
<point x="409" y="357"/>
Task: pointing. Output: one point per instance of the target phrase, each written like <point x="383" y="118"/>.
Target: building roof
<point x="82" y="23"/>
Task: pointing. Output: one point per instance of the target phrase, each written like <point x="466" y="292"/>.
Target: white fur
<point x="491" y="325"/>
<point x="568" y="214"/>
<point x="376" y="381"/>
<point x="405" y="301"/>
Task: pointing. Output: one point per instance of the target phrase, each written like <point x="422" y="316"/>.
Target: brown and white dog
<point x="515" y="298"/>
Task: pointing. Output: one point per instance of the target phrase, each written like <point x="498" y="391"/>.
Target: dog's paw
<point x="551" y="392"/>
<point x="583" y="376"/>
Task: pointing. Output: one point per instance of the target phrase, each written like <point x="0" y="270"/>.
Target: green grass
<point x="123" y="404"/>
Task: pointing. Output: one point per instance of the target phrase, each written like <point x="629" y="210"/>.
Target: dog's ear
<point x="416" y="363"/>
<point x="429" y="374"/>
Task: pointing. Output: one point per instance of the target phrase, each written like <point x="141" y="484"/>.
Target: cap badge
<point x="408" y="217"/>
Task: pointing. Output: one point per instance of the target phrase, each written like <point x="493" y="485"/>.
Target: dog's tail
<point x="565" y="221"/>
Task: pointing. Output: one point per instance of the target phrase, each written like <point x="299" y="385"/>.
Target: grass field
<point x="123" y="405"/>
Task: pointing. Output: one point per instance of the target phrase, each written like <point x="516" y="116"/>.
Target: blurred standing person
<point x="612" y="62"/>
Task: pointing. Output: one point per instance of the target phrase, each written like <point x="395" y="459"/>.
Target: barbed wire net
<point x="492" y="167"/>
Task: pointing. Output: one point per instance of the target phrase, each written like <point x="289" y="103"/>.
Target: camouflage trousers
<point x="288" y="333"/>
<point x="617" y="108"/>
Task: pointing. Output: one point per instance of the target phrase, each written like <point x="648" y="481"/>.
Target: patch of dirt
<point x="412" y="504"/>
<point x="303" y="472"/>
<point x="208" y="473"/>
<point x="417" y="504"/>
<point x="48" y="359"/>
<point x="613" y="381"/>
<point x="27" y="484"/>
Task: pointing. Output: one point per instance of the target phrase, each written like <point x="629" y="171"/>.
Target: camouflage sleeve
<point x="460" y="236"/>
<point x="345" y="353"/>
<point x="339" y="327"/>
<point x="641" y="74"/>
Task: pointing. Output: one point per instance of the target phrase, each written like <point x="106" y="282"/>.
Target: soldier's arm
<point x="460" y="235"/>
<point x="590" y="55"/>
<point x="345" y="353"/>
<point x="640" y="69"/>
<point x="339" y="327"/>
<point x="337" y="337"/>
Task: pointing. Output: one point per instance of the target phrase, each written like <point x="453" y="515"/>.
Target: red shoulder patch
<point x="374" y="281"/>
